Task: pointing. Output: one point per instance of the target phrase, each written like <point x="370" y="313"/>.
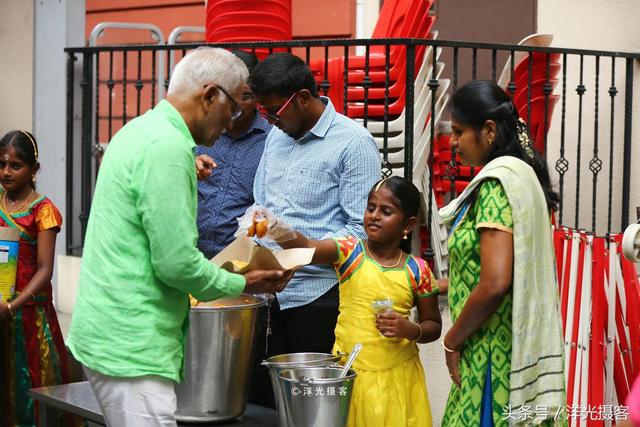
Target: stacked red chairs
<point x="249" y="20"/>
<point x="386" y="67"/>
<point x="530" y="90"/>
<point x="536" y="86"/>
<point x="538" y="125"/>
<point x="398" y="18"/>
<point x="448" y="174"/>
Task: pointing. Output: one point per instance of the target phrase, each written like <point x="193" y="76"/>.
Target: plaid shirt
<point x="228" y="192"/>
<point x="318" y="184"/>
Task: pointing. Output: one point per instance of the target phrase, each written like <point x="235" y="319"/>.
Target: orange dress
<point x="32" y="351"/>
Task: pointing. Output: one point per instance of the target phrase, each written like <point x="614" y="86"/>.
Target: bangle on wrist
<point x="447" y="349"/>
<point x="33" y="297"/>
<point x="12" y="311"/>
<point x="419" y="332"/>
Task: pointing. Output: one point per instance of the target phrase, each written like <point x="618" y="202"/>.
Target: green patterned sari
<point x="492" y="342"/>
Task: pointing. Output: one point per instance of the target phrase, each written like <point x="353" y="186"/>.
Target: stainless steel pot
<point x="316" y="397"/>
<point x="281" y="362"/>
<point x="218" y="359"/>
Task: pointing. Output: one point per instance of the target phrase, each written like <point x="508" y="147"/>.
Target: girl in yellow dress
<point x="390" y="387"/>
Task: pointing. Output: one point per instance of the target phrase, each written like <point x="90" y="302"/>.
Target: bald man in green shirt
<point x="140" y="258"/>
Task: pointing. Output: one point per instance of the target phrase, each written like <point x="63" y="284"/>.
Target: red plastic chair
<point x="397" y="84"/>
<point x="538" y="72"/>
<point x="538" y="40"/>
<point x="444" y="186"/>
<point x="442" y="143"/>
<point x="538" y="68"/>
<point x="377" y="110"/>
<point x="397" y="72"/>
<point x="233" y="19"/>
<point x="537" y="87"/>
<point x="408" y="28"/>
<point x="445" y="156"/>
<point x="217" y="8"/>
<point x="464" y="172"/>
<point x="390" y="18"/>
<point x="537" y="129"/>
<point x="396" y="126"/>
<point x="376" y="76"/>
<point x="248" y="32"/>
<point x="418" y="24"/>
<point x="356" y="93"/>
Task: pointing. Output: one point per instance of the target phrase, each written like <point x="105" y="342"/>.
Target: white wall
<point x="16" y="65"/>
<point x="57" y="24"/>
<point x="367" y="12"/>
<point x="590" y="24"/>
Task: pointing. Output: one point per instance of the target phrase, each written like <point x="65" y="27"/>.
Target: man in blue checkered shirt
<point x="316" y="172"/>
<point x="226" y="172"/>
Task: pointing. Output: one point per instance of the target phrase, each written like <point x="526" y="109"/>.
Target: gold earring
<point x="33" y="178"/>
<point x="404" y="237"/>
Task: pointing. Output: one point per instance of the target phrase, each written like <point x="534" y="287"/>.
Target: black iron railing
<point x="117" y="83"/>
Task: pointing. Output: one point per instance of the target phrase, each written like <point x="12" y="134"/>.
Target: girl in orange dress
<point x="32" y="351"/>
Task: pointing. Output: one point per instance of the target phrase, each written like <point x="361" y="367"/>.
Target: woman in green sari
<point x="504" y="351"/>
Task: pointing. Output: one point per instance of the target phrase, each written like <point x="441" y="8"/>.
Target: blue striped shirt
<point x="228" y="191"/>
<point x="319" y="184"/>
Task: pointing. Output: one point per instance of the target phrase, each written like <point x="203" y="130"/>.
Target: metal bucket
<point x="316" y="397"/>
<point x="282" y="362"/>
<point x="218" y="359"/>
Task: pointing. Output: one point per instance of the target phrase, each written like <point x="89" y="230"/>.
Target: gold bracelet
<point x="419" y="332"/>
<point x="12" y="311"/>
<point x="33" y="297"/>
<point x="448" y="350"/>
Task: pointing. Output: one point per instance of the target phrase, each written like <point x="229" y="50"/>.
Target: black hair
<point x="481" y="100"/>
<point x="249" y="58"/>
<point x="25" y="145"/>
<point x="404" y="191"/>
<point x="282" y="74"/>
<point x="407" y="195"/>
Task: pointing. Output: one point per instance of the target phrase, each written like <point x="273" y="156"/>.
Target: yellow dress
<point x="390" y="387"/>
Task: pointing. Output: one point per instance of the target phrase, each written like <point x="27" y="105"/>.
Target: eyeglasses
<point x="237" y="109"/>
<point x="275" y="117"/>
<point x="247" y="96"/>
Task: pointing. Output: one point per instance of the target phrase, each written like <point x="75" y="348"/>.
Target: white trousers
<point x="147" y="401"/>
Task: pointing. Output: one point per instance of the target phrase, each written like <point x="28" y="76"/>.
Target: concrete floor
<point x="435" y="369"/>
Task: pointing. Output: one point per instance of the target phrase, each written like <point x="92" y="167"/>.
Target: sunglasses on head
<point x="275" y="117"/>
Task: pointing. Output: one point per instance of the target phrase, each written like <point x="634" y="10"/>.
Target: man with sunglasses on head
<point x="226" y="171"/>
<point x="316" y="172"/>
<point x="140" y="261"/>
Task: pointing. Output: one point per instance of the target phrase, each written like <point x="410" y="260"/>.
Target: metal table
<point x="78" y="399"/>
